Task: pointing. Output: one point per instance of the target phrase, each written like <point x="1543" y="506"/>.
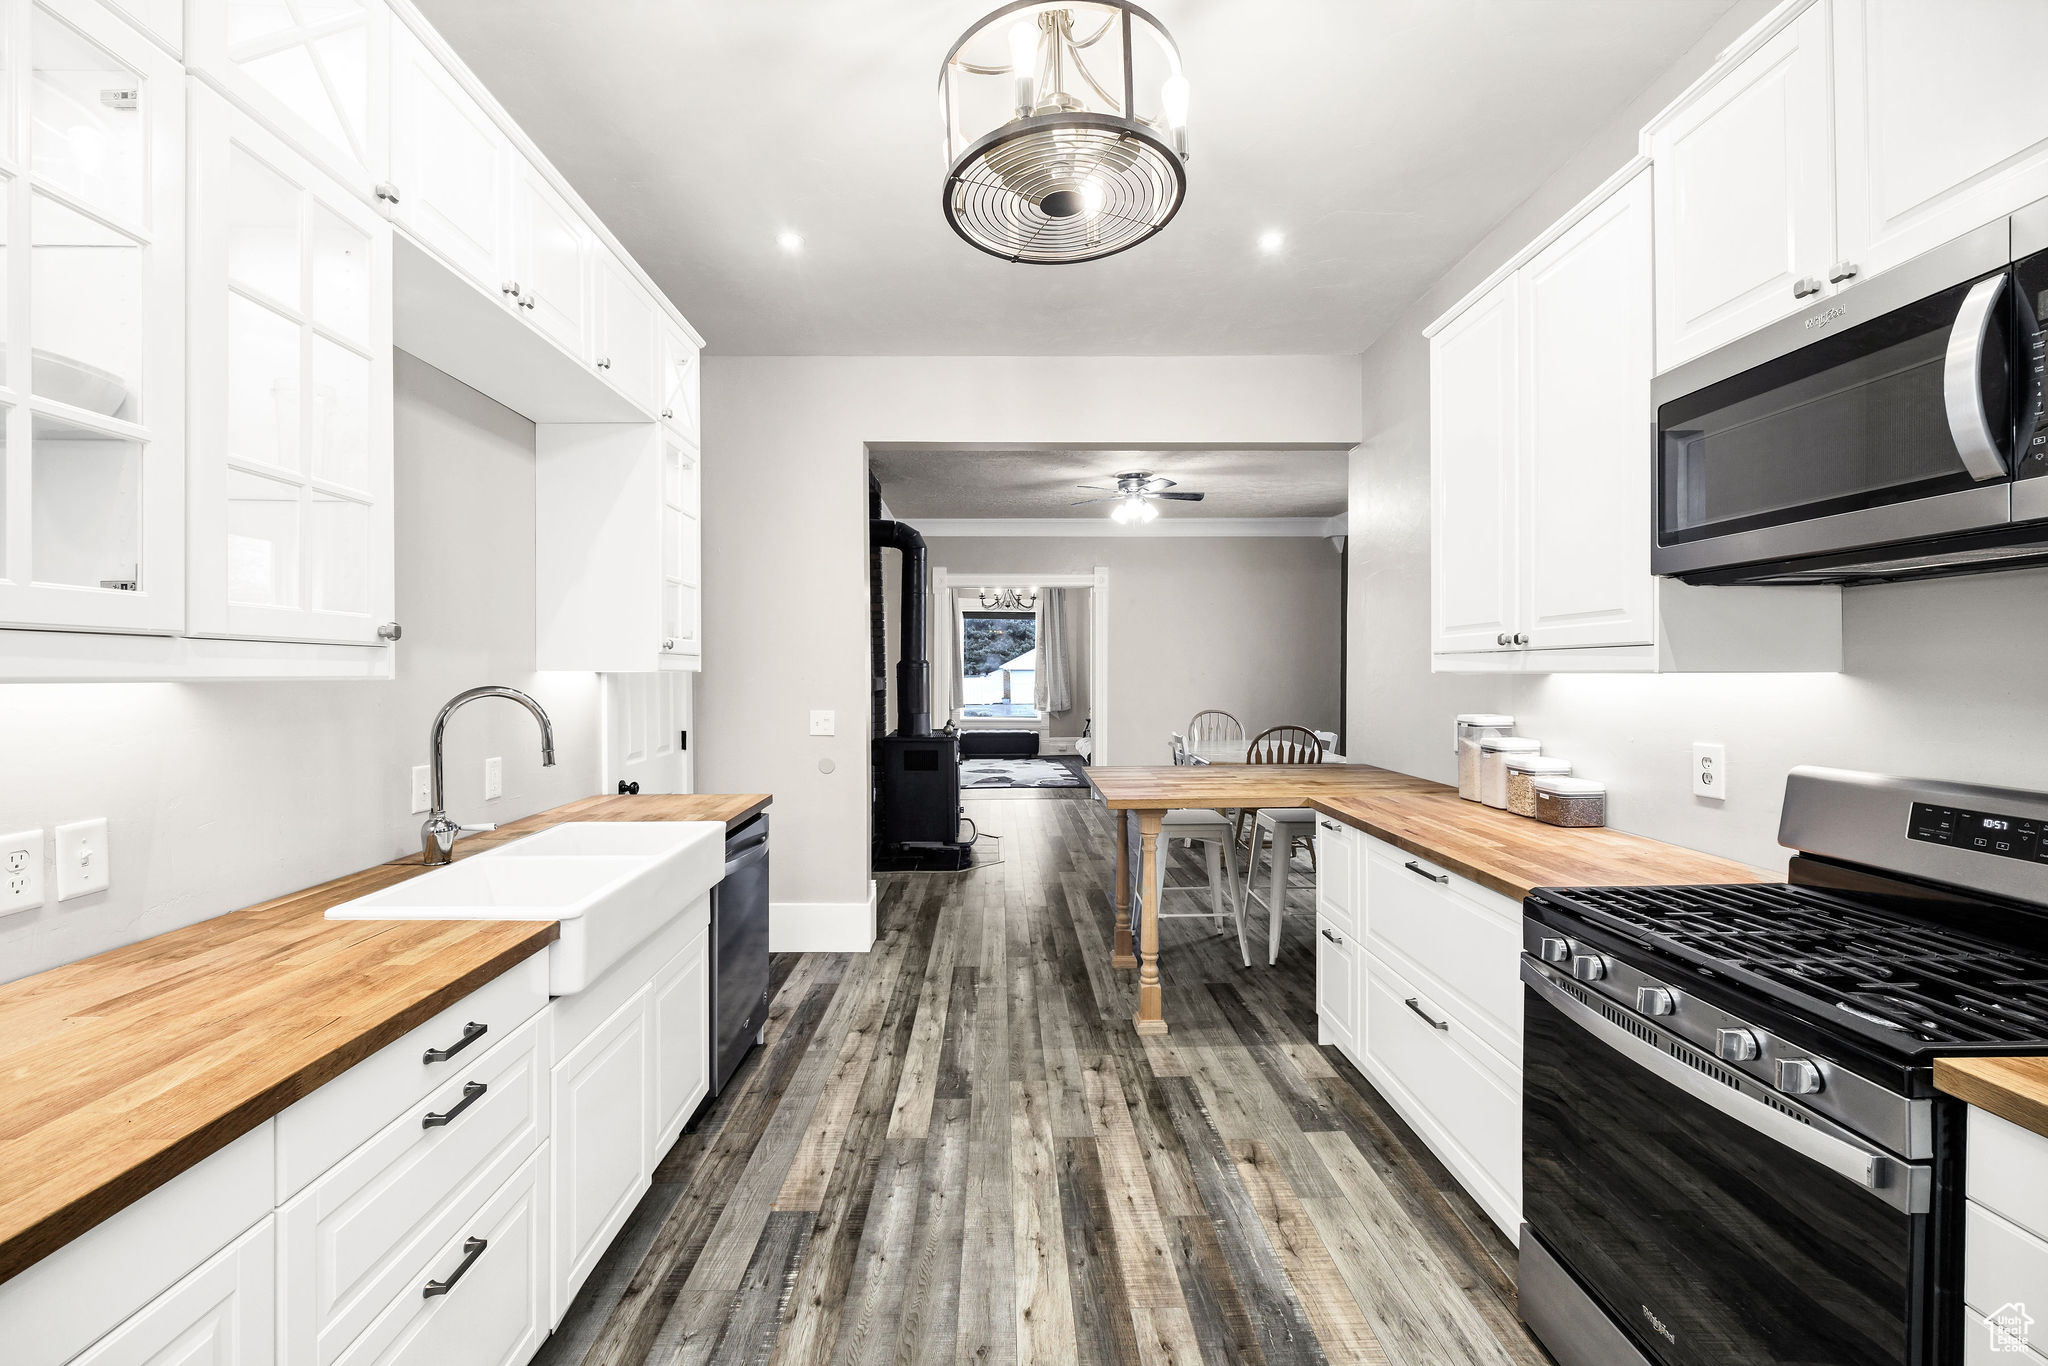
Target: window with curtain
<point x="999" y="664"/>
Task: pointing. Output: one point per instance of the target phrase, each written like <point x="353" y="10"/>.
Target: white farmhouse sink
<point x="611" y="884"/>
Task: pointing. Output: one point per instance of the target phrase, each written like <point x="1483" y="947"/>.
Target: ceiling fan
<point x="1134" y="495"/>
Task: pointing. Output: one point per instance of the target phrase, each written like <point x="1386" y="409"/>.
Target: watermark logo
<point x="2008" y="1326"/>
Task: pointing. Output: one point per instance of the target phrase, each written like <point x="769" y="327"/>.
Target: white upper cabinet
<point x="550" y="271"/>
<point x="682" y="542"/>
<point x="1744" y="195"/>
<point x="92" y="326"/>
<point x="1934" y="134"/>
<point x="626" y="351"/>
<point x="451" y="166"/>
<point x="679" y="382"/>
<point x="316" y="71"/>
<point x="291" y="443"/>
<point x="1473" y="423"/>
<point x="1584" y="317"/>
<point x="163" y="18"/>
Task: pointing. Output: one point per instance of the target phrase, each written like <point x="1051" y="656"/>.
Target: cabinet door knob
<point x="390" y="630"/>
<point x="510" y="287"/>
<point x="1843" y="270"/>
<point x="1806" y="287"/>
<point x="1501" y="639"/>
<point x="668" y="412"/>
<point x="1518" y="639"/>
<point x="604" y="362"/>
<point x="387" y="192"/>
<point x="668" y="645"/>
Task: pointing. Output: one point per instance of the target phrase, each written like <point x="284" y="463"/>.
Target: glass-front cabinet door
<point x="679" y="383"/>
<point x="681" y="555"/>
<point x="91" y="322"/>
<point x="318" y="70"/>
<point x="291" y="443"/>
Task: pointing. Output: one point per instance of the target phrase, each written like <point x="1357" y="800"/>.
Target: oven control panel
<point x="1982" y="832"/>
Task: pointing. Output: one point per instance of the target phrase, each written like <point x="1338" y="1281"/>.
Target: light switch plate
<point x="824" y="723"/>
<point x="494" y="778"/>
<point x="422" y="789"/>
<point x="21" y="871"/>
<point x="83" y="863"/>
<point x="1710" y="771"/>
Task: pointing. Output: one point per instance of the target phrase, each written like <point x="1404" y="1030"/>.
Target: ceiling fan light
<point x="1147" y="512"/>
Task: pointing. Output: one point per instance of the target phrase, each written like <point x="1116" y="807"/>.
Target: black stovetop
<point x="1906" y="987"/>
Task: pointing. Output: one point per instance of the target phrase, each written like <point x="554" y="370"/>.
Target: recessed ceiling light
<point x="1271" y="241"/>
<point x="789" y="241"/>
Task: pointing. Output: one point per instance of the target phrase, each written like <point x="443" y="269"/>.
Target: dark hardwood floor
<point x="954" y="1149"/>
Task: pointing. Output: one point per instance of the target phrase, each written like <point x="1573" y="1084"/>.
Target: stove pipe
<point x="914" y="669"/>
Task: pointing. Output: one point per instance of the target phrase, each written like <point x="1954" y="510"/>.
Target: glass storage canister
<point x="1523" y="770"/>
<point x="1472" y="728"/>
<point x="1576" y="803"/>
<point x="1494" y="753"/>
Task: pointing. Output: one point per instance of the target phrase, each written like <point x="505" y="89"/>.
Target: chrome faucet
<point x="438" y="834"/>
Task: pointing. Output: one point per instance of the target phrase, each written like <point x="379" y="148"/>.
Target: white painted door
<point x="681" y="1005"/>
<point x="92" y="320"/>
<point x="316" y="71"/>
<point x="450" y="166"/>
<point x="682" y="556"/>
<point x="1745" y="196"/>
<point x="679" y="383"/>
<point x="601" y="1130"/>
<point x="1934" y="138"/>
<point x="1473" y="509"/>
<point x="223" y="1314"/>
<point x="550" y="261"/>
<point x="291" y="469"/>
<point x="1586" y="445"/>
<point x="627" y="351"/>
<point x="647" y="722"/>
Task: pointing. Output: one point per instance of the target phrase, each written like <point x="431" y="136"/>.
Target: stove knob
<point x="1797" y="1077"/>
<point x="1588" y="967"/>
<point x="1735" y="1045"/>
<point x="1654" y="1001"/>
<point x="1554" y="951"/>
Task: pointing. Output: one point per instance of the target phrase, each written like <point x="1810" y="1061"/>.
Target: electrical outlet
<point x="494" y="778"/>
<point x="824" y="723"/>
<point x="422" y="789"/>
<point x="84" y="865"/>
<point x="21" y="871"/>
<point x="1710" y="771"/>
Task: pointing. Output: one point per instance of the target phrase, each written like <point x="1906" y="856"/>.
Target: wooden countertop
<point x="120" y="1071"/>
<point x="1508" y="853"/>
<point x="2015" y="1089"/>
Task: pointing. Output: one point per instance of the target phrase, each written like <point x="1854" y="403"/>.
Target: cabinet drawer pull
<point x="1416" y="868"/>
<point x="1332" y="937"/>
<point x="1332" y="827"/>
<point x="472" y="1248"/>
<point x="1444" y="1025"/>
<point x="471" y="1032"/>
<point x="472" y="1092"/>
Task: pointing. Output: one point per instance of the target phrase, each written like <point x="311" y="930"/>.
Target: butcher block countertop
<point x="120" y="1071"/>
<point x="2014" y="1089"/>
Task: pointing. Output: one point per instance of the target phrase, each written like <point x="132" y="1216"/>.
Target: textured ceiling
<point x="1042" y="483"/>
<point x="1383" y="137"/>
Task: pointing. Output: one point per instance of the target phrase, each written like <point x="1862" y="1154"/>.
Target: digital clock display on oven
<point x="1981" y="832"/>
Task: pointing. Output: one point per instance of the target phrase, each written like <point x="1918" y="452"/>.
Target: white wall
<point x="785" y="494"/>
<point x="1941" y="679"/>
<point x="222" y="795"/>
<point x="1246" y="624"/>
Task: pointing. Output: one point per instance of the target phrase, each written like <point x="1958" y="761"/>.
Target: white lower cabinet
<point x="1336" y="987"/>
<point x="603" y="1149"/>
<point x="679" y="1004"/>
<point x="223" y="1314"/>
<point x="2005" y="1242"/>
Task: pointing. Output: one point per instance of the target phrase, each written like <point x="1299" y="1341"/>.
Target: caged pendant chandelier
<point x="1066" y="130"/>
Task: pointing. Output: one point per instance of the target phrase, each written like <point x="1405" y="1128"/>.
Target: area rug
<point x="1059" y="771"/>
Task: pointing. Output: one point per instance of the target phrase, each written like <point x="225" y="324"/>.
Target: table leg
<point x="1149" y="1019"/>
<point x="1120" y="955"/>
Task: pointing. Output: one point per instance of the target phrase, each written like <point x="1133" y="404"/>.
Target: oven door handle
<point x="1962" y="389"/>
<point x="1905" y="1186"/>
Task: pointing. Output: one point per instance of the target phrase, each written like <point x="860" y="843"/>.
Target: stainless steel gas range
<point x="1733" y="1151"/>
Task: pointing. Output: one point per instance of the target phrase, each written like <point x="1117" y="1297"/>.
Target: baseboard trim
<point x="822" y="926"/>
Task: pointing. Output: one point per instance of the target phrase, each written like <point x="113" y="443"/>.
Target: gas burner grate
<point x="1887" y="977"/>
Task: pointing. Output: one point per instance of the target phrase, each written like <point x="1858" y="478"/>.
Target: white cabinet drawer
<point x="1337" y="848"/>
<point x="1462" y="1097"/>
<point x="68" y="1300"/>
<point x="320" y="1130"/>
<point x="365" y="1226"/>
<point x="2003" y="1264"/>
<point x="1336" y="986"/>
<point x="1979" y="1351"/>
<point x="1457" y="938"/>
<point x="492" y="1314"/>
<point x="223" y="1314"/>
<point x="2007" y="1171"/>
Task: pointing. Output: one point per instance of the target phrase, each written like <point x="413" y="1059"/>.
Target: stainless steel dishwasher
<point x="739" y="962"/>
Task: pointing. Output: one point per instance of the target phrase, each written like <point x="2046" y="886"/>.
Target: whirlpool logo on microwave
<point x="1826" y="316"/>
<point x="1658" y="1324"/>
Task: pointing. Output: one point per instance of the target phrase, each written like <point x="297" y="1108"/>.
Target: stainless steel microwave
<point x="1893" y="431"/>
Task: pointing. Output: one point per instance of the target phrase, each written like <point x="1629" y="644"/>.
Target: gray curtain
<point x="949" y="687"/>
<point x="1055" y="675"/>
